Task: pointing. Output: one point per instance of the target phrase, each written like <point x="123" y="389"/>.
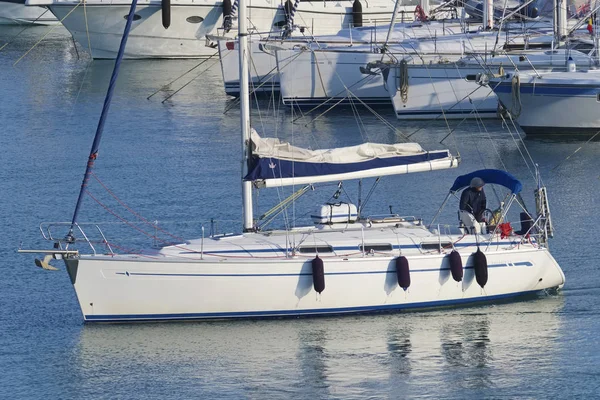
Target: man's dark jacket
<point x="473" y="201"/>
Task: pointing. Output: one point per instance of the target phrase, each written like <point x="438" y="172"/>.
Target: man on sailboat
<point x="473" y="199"/>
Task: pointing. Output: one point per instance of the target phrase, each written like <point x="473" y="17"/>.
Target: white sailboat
<point x="551" y="103"/>
<point x="555" y="102"/>
<point x="350" y="42"/>
<point x="451" y="91"/>
<point x="345" y="263"/>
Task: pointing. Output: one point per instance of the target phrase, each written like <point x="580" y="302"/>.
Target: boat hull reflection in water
<point x="493" y="347"/>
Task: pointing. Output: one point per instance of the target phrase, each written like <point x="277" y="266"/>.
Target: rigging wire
<point x="100" y="128"/>
<point x="87" y="31"/>
<point x="24" y="29"/>
<point x="193" y="79"/>
<point x="45" y="35"/>
<point x="165" y="86"/>
<point x="575" y="152"/>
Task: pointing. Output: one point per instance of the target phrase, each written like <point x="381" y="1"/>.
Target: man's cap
<point x="477" y="182"/>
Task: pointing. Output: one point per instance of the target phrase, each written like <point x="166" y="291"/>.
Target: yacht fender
<point x="456" y="266"/>
<point x="318" y="273"/>
<point x="403" y="272"/>
<point x="481" y="268"/>
<point x="165" y="6"/>
<point x="357" y="17"/>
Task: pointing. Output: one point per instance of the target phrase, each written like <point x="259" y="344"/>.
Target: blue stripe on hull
<point x="447" y="112"/>
<point x="556" y="90"/>
<point x="517" y="264"/>
<point x="299" y="313"/>
<point x="338" y="101"/>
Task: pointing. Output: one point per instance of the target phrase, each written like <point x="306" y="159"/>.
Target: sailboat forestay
<point x="345" y="263"/>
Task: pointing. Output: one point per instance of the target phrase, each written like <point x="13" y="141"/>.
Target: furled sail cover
<point x="276" y="163"/>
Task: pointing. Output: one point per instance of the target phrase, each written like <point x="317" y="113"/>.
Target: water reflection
<point x="312" y="358"/>
<point x="465" y="344"/>
<point x="437" y="353"/>
<point x="399" y="347"/>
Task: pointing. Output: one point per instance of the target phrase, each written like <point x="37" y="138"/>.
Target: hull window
<point x="194" y="19"/>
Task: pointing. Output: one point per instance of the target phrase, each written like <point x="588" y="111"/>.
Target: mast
<point x="488" y="14"/>
<point x="100" y="128"/>
<point x="391" y="28"/>
<point x="245" y="116"/>
<point x="561" y="20"/>
<point x="424" y="5"/>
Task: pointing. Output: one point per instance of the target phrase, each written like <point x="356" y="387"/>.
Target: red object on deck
<point x="505" y="230"/>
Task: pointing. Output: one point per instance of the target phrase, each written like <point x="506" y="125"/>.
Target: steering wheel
<point x="487" y="215"/>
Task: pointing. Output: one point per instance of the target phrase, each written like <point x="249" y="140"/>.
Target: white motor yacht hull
<point x="100" y="25"/>
<point x="138" y="288"/>
<point x="101" y="32"/>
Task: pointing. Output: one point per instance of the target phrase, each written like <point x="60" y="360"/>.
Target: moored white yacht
<point x="564" y="103"/>
<point x="99" y="24"/>
<point x="264" y="74"/>
<point x="345" y="263"/>
<point x="451" y="91"/>
<point x="337" y="75"/>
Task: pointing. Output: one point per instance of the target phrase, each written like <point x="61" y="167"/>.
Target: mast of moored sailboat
<point x="100" y="128"/>
<point x="245" y="116"/>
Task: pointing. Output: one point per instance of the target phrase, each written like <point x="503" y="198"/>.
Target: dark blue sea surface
<point x="178" y="163"/>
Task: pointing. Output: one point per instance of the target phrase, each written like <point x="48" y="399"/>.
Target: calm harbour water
<point x="177" y="162"/>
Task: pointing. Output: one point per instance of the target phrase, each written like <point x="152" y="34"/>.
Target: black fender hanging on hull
<point x="318" y="273"/>
<point x="456" y="266"/>
<point x="403" y="272"/>
<point x="165" y="6"/>
<point x="481" y="267"/>
<point x="357" y="16"/>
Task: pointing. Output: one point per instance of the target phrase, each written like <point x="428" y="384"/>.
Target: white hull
<point x="264" y="77"/>
<point x="568" y="105"/>
<point x="443" y="91"/>
<point x="311" y="78"/>
<point x="148" y="38"/>
<point x="263" y="67"/>
<point x="437" y="92"/>
<point x="238" y="279"/>
<point x="185" y="39"/>
<point x="20" y="14"/>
